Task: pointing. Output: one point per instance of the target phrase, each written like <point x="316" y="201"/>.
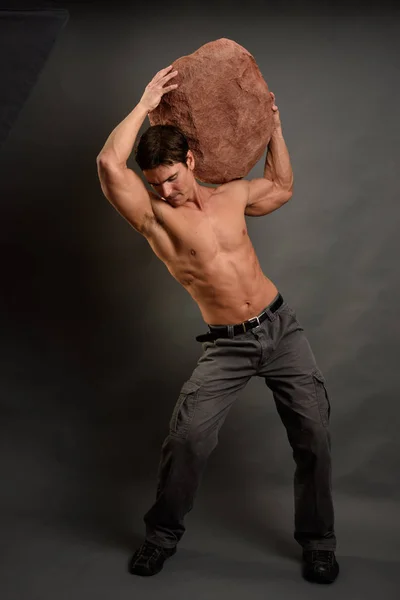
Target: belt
<point x="217" y="331"/>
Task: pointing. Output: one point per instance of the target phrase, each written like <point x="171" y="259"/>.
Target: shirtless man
<point x="200" y="234"/>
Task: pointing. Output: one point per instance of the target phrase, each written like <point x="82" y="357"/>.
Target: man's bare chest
<point x="221" y="228"/>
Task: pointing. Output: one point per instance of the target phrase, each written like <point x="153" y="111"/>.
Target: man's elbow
<point x="108" y="164"/>
<point x="109" y="158"/>
<point x="105" y="158"/>
<point x="286" y="194"/>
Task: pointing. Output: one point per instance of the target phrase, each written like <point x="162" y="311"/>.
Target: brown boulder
<point x="223" y="106"/>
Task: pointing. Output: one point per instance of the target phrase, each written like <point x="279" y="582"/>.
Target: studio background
<point x="97" y="338"/>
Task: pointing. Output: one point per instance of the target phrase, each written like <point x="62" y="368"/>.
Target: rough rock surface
<point x="223" y="106"/>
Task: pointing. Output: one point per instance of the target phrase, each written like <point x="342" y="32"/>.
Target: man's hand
<point x="275" y="114"/>
<point x="155" y="90"/>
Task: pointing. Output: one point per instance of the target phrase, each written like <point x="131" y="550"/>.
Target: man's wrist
<point x="143" y="108"/>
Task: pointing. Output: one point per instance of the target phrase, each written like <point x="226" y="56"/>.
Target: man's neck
<point x="200" y="194"/>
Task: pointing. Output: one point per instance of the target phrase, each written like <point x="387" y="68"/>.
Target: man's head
<point x="167" y="163"/>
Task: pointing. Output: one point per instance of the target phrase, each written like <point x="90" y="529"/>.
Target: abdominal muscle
<point x="229" y="289"/>
<point x="211" y="255"/>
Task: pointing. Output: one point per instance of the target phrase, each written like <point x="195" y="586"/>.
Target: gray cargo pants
<point x="277" y="350"/>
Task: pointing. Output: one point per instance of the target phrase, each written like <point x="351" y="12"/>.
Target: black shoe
<point x="149" y="559"/>
<point x="320" y="566"/>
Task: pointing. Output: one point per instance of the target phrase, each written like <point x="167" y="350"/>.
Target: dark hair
<point x="161" y="145"/>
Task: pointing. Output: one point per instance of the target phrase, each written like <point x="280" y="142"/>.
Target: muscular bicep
<point x="126" y="192"/>
<point x="264" y="196"/>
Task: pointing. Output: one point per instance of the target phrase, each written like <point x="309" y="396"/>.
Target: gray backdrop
<point x="97" y="338"/>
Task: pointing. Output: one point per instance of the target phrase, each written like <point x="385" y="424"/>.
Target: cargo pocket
<point x="322" y="397"/>
<point x="184" y="409"/>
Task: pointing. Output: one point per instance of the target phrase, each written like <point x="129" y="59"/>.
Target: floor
<point x="221" y="555"/>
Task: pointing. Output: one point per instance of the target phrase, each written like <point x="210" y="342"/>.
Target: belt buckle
<point x="249" y="321"/>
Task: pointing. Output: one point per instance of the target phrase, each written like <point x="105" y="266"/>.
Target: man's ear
<point x="190" y="160"/>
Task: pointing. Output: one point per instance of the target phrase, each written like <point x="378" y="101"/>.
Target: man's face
<point x="172" y="182"/>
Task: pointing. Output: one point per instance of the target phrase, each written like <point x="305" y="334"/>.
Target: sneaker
<point x="149" y="559"/>
<point x="320" y="566"/>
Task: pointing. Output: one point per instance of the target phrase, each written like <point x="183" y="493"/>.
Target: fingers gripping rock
<point x="223" y="106"/>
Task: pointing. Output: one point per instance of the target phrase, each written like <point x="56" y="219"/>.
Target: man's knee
<point x="195" y="442"/>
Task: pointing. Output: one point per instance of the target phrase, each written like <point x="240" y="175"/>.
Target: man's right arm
<point x="122" y="187"/>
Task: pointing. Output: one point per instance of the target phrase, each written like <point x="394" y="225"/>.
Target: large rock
<point x="223" y="106"/>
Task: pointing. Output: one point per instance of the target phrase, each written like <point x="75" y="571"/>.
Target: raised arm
<point x="121" y="186"/>
<point x="275" y="188"/>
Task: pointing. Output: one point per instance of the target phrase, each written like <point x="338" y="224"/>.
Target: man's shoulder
<point x="238" y="188"/>
<point x="235" y="184"/>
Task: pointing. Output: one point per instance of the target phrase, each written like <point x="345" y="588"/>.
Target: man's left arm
<point x="275" y="188"/>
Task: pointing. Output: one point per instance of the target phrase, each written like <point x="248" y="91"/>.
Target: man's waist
<point x="231" y="330"/>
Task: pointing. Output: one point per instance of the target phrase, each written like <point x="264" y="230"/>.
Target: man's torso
<point x="211" y="255"/>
